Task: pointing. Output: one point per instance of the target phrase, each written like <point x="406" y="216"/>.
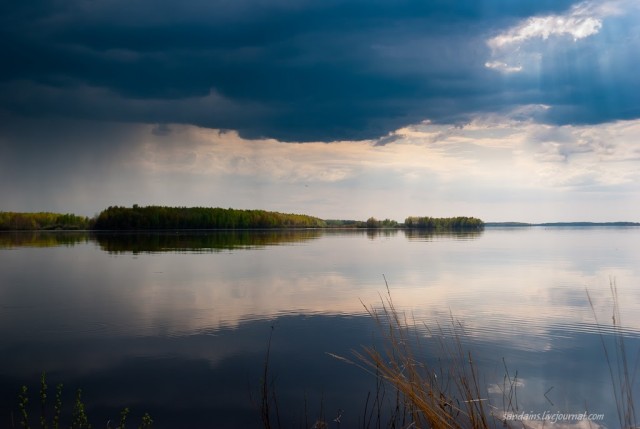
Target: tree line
<point x="161" y="217"/>
<point x="12" y="221"/>
<point x="459" y="223"/>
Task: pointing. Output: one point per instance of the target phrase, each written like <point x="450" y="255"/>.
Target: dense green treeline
<point x="372" y="222"/>
<point x="343" y="223"/>
<point x="458" y="223"/>
<point x="369" y="223"/>
<point x="164" y="218"/>
<point x="160" y="217"/>
<point x="10" y="221"/>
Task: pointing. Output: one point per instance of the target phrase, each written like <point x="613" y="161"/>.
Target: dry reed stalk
<point x="453" y="400"/>
<point x="622" y="376"/>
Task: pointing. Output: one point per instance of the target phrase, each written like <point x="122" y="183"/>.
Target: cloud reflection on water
<point x="512" y="286"/>
<point x="92" y="308"/>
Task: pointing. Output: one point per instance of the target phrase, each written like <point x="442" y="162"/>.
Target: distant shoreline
<point x="163" y="218"/>
<point x="556" y="224"/>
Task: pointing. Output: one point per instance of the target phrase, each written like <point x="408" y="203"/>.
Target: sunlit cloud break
<point x="498" y="65"/>
<point x="581" y="21"/>
<point x="576" y="24"/>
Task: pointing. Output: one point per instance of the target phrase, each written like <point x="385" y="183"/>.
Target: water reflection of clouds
<point x="514" y="287"/>
<point x="518" y="295"/>
<point x="198" y="380"/>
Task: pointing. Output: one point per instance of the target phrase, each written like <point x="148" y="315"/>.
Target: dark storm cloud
<point x="291" y="70"/>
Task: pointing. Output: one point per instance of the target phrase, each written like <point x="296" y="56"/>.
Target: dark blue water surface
<point x="179" y="324"/>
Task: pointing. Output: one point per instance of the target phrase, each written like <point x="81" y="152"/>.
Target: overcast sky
<point x="506" y="110"/>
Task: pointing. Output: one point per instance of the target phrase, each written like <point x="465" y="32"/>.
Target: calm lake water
<point x="178" y="324"/>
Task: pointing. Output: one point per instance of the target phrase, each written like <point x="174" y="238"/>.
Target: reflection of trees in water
<point x="42" y="239"/>
<point x="426" y="235"/>
<point x="374" y="233"/>
<point x="202" y="241"/>
<point x="176" y="241"/>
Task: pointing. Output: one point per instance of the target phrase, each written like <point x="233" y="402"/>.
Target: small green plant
<point x="123" y="418"/>
<point x="23" y="400"/>
<point x="146" y="422"/>
<point x="79" y="418"/>
<point x="57" y="407"/>
<point x="43" y="401"/>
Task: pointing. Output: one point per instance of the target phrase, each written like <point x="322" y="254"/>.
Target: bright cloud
<point x="574" y="25"/>
<point x="510" y="50"/>
<point x="500" y="66"/>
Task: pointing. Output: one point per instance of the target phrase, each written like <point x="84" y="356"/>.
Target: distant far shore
<point x="560" y="224"/>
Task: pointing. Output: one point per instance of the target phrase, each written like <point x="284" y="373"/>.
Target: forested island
<point x="459" y="223"/>
<point x="161" y="217"/>
<point x="136" y="218"/>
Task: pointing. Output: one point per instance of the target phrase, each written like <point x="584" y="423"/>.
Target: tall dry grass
<point x="445" y="395"/>
<point x="448" y="394"/>
<point x="621" y="370"/>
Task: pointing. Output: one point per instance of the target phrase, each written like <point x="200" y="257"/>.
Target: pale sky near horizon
<point x="508" y="111"/>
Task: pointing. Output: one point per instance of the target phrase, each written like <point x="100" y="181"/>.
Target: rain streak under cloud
<point x="523" y="111"/>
